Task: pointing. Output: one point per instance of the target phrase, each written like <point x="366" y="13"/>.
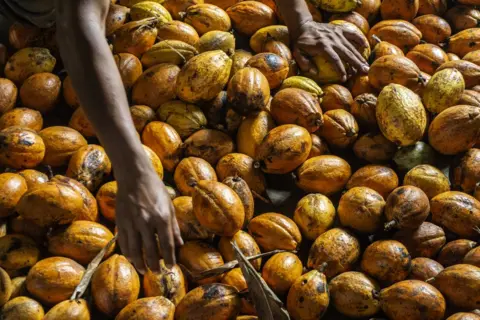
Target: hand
<point x="143" y="212"/>
<point x="315" y="38"/>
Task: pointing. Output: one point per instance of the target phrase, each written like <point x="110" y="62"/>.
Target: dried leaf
<point x="92" y="267"/>
<point x="197" y="276"/>
<point x="267" y="304"/>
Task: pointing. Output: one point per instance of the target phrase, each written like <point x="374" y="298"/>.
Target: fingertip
<point x="365" y="68"/>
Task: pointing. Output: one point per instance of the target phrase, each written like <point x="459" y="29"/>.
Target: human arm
<point x="144" y="208"/>
<point x="311" y="39"/>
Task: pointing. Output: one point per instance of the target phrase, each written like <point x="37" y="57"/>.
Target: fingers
<point x="135" y="250"/>
<point x="303" y="62"/>
<point x="347" y="53"/>
<point x="167" y="243"/>
<point x="123" y="241"/>
<point x="337" y="63"/>
<point x="177" y="235"/>
<point x="150" y="246"/>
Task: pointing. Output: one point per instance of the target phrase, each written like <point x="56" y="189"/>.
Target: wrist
<point x="297" y="30"/>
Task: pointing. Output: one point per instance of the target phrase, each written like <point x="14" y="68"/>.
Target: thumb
<point x="305" y="64"/>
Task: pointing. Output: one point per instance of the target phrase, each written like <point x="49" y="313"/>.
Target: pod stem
<point x="376" y="294"/>
<point x="257" y="165"/>
<point x="390" y="225"/>
<point x="260" y="197"/>
<point x="376" y="38"/>
<point x="92" y="267"/>
<point x="430" y="280"/>
<point x="171" y="47"/>
<point x="192" y="183"/>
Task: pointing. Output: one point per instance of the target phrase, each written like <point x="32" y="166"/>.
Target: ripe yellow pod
<point x="443" y="90"/>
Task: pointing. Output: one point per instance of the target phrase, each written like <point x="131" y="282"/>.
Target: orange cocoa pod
<point x="462" y="17"/>
<point x="464" y="316"/>
<point x="374" y="148"/>
<point x="469" y="70"/>
<point x="207" y="17"/>
<point x="199" y="256"/>
<point x="252" y="131"/>
<point x="22" y="308"/>
<point x="336" y="97"/>
<point x="89" y="165"/>
<point x="156" y="86"/>
<point x="224" y="299"/>
<point x="384" y="48"/>
<point x="21" y="148"/>
<point x="141" y="116"/>
<point x="218" y="208"/>
<point x="387" y="261"/>
<point x="106" y="198"/>
<point x="208" y="144"/>
<point x="296" y="106"/>
<point x="425" y="241"/>
<point x="18" y="252"/>
<point x="466" y="171"/>
<point x="399" y="9"/>
<point x="33" y="177"/>
<point x="248" y="91"/>
<point x="363" y="109"/>
<point x="455" y="251"/>
<point x="319" y="147"/>
<point x="338" y="248"/>
<point x="464" y="42"/>
<point x="395" y="69"/>
<point x="236" y="279"/>
<point x="326" y="174"/>
<point x="360" y="84"/>
<point x="283" y="149"/>
<point x="250" y="16"/>
<point x="69" y="309"/>
<point x="165" y="142"/>
<point x="80" y="241"/>
<point x="54" y="279"/>
<point x="22" y="117"/>
<point x="148" y="308"/>
<point x="130" y="68"/>
<point x="473" y="257"/>
<point x="340" y="129"/>
<point x="69" y="93"/>
<point x="273" y="67"/>
<point x="412" y="293"/>
<point x="379" y="178"/>
<point x="190" y="228"/>
<point x="41" y="92"/>
<point x="353" y="17"/>
<point x="115" y="284"/>
<point x="116" y="18"/>
<point x="60" y="144"/>
<point x="80" y="122"/>
<point x="243" y="166"/>
<point x="245" y="243"/>
<point x="437" y="7"/>
<point x="167" y="282"/>
<point x="241" y="188"/>
<point x="176" y="7"/>
<point x="401" y="33"/>
<point x="135" y="37"/>
<point x="434" y="29"/>
<point x="178" y="30"/>
<point x="191" y="170"/>
<point x="275" y="231"/>
<point x="427" y="57"/>
<point x="8" y="98"/>
<point x="407" y="207"/>
<point x="424" y="269"/>
<point x="369" y="9"/>
<point x="281" y="271"/>
<point x="470" y="97"/>
<point x="13" y="187"/>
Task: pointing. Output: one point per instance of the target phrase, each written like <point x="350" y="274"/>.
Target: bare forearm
<point x="97" y="81"/>
<point x="294" y="13"/>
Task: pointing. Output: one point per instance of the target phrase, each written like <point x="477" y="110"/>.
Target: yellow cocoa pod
<point x="336" y="6"/>
<point x="455" y="129"/>
<point x="283" y="149"/>
<point x="401" y="115"/>
<point x="262" y="36"/>
<point x="308" y="297"/>
<point x="147" y="9"/>
<point x="185" y="118"/>
<point x="303" y="83"/>
<point x="251" y="132"/>
<point x="217" y="40"/>
<point x="168" y="51"/>
<point x="314" y="215"/>
<point x="211" y="70"/>
<point x="443" y="90"/>
<point x="207" y="17"/>
<point x="464" y="42"/>
<point x="29" y="61"/>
